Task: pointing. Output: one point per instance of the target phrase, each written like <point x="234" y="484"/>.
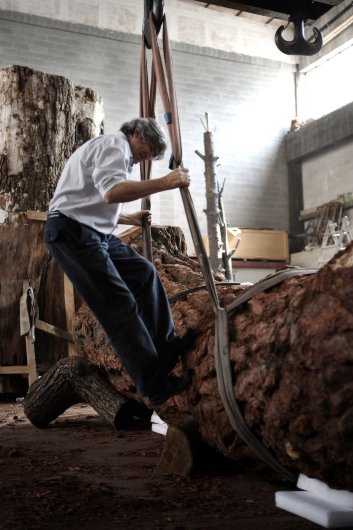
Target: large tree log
<point x="291" y="355"/>
<point x="43" y="119"/>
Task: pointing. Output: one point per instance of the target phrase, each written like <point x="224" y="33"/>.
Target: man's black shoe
<point x="172" y="386"/>
<point x="177" y="348"/>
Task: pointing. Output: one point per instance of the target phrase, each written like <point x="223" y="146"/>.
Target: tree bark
<point x="72" y="381"/>
<point x="212" y="210"/>
<point x="291" y="358"/>
<point x="43" y="119"/>
<point x="226" y="254"/>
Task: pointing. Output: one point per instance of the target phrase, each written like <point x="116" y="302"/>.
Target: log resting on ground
<point x="73" y="380"/>
<point x="291" y="356"/>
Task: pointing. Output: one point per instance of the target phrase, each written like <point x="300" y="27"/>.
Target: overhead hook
<point x="299" y="45"/>
<point x="157" y="9"/>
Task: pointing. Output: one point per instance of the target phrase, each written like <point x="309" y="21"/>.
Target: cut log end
<point x="177" y="457"/>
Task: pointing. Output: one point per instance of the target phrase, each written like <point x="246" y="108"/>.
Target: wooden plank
<point x="35" y="215"/>
<point x="129" y="232"/>
<point x="31" y="361"/>
<point x="69" y="299"/>
<point x="54" y="330"/>
<point x="19" y="369"/>
<point x="310" y="213"/>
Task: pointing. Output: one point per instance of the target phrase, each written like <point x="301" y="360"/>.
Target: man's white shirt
<point x="91" y="171"/>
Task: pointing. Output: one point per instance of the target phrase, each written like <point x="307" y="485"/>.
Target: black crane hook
<point x="157" y="8"/>
<point x="299" y="45"/>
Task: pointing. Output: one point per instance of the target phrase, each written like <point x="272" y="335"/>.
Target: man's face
<point x="140" y="151"/>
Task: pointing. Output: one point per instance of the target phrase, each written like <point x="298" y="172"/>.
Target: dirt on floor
<point x="79" y="473"/>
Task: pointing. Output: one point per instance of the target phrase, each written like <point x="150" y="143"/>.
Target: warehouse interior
<point x="269" y="84"/>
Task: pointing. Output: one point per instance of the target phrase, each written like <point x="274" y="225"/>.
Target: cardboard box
<point x="258" y="244"/>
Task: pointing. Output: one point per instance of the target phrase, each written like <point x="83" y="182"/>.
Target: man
<point x="121" y="287"/>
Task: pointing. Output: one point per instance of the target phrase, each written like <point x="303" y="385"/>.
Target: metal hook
<point x="299" y="45"/>
<point x="157" y="8"/>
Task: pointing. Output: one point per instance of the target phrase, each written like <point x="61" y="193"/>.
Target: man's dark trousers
<point x="124" y="292"/>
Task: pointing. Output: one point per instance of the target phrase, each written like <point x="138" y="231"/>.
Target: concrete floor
<point x="81" y="474"/>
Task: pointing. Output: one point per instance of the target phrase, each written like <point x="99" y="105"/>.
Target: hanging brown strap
<point x="147" y="91"/>
<point x="147" y="110"/>
<point x="166" y="88"/>
<point x="165" y="83"/>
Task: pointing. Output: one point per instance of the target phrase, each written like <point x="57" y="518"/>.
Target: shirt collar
<point x="131" y="155"/>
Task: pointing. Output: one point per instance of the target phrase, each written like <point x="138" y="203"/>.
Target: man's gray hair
<point x="150" y="133"/>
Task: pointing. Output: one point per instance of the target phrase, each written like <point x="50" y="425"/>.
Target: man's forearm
<point x="132" y="190"/>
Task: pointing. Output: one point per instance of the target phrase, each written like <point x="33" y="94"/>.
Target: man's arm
<point x="130" y="190"/>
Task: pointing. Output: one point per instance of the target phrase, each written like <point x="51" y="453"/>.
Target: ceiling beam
<point x="275" y="8"/>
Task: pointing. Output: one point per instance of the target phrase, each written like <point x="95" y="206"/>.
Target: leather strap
<point x="164" y="77"/>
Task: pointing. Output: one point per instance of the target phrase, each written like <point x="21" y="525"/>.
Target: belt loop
<point x="55" y="213"/>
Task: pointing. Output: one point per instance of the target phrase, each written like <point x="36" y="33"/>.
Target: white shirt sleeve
<point x="111" y="165"/>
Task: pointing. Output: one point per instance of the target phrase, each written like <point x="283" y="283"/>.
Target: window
<point x="327" y="86"/>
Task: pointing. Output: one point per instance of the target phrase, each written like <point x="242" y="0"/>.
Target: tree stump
<point x="291" y="357"/>
<point x="44" y="119"/>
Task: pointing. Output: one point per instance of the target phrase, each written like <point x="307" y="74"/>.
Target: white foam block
<point x="322" y="490"/>
<point x="159" y="428"/>
<point x="156" y="419"/>
<point x="308" y="506"/>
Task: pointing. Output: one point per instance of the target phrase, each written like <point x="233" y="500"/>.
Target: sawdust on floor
<point x="79" y="473"/>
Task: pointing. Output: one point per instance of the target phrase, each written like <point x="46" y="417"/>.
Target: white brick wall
<point x="188" y="22"/>
<point x="251" y="101"/>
